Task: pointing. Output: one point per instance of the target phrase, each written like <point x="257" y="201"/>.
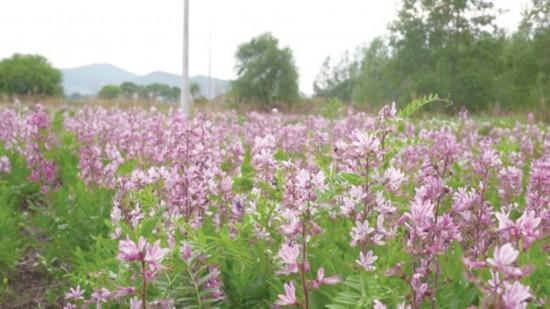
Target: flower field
<point x="147" y="209"/>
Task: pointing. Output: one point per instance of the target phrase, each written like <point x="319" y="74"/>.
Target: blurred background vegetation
<point x="450" y="47"/>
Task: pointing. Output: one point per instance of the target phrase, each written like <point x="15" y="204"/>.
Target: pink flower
<point x="421" y="215"/>
<point x="321" y="279"/>
<point x="154" y="255"/>
<point x="527" y="225"/>
<point x="100" y="296"/>
<point x="292" y="225"/>
<point x="367" y="260"/>
<point x="75" y="293"/>
<point x="135" y="303"/>
<point x="393" y="178"/>
<point x="122" y="292"/>
<point x="504" y="222"/>
<point x="365" y="143"/>
<point x="379" y="305"/>
<point x="503" y="256"/>
<point x="129" y="251"/>
<point x="5" y="166"/>
<point x="360" y="232"/>
<point x="289" y="298"/>
<point x="289" y="254"/>
<point x="515" y="295"/>
<point x="419" y="287"/>
<point x="186" y="252"/>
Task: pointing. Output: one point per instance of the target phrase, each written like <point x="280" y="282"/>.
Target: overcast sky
<point x="146" y="35"/>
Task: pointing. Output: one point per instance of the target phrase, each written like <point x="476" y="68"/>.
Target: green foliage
<point x="417" y="104"/>
<point x="17" y="194"/>
<point x="266" y="73"/>
<point x="330" y="109"/>
<point x="29" y="75"/>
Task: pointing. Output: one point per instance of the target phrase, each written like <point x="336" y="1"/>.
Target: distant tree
<point x="266" y="73"/>
<point x="373" y="82"/>
<point x="129" y="89"/>
<point x="448" y="47"/>
<point x="195" y="90"/>
<point x="336" y="81"/>
<point x="536" y="24"/>
<point x="109" y="92"/>
<point x="162" y="91"/>
<point x="29" y="75"/>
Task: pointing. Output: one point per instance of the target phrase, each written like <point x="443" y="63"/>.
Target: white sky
<point x="146" y="35"/>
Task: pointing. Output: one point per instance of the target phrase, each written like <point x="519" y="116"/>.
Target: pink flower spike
<point x="289" y="298"/>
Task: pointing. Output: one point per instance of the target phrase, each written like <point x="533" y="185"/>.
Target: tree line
<point x="450" y="47"/>
<point x="453" y="48"/>
<point x="155" y="92"/>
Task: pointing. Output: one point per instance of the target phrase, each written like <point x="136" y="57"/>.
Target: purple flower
<point x="367" y="260"/>
<point x="528" y="225"/>
<point x="289" y="298"/>
<point x="421" y="215"/>
<point x="515" y="295"/>
<point x="360" y="232"/>
<point x="503" y="257"/>
<point x="154" y="255"/>
<point x="419" y="287"/>
<point x="321" y="279"/>
<point x="75" y="293"/>
<point x="100" y="296"/>
<point x="289" y="254"/>
<point x="393" y="178"/>
<point x="5" y="166"/>
<point x="186" y="252"/>
<point x="379" y="305"/>
<point x="129" y="251"/>
<point x="365" y="143"/>
<point x="122" y="292"/>
<point x="135" y="303"/>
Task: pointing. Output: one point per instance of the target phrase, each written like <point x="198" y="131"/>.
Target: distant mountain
<point x="88" y="79"/>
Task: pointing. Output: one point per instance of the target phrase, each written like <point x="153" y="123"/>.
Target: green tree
<point x="336" y="81"/>
<point x="109" y="92"/>
<point x="162" y="91"/>
<point x="195" y="90"/>
<point x="536" y="24"/>
<point x="129" y="89"/>
<point x="448" y="47"/>
<point x="29" y="75"/>
<point x="266" y="73"/>
<point x="373" y="83"/>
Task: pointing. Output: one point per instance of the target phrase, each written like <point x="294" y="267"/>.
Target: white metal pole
<point x="185" y="96"/>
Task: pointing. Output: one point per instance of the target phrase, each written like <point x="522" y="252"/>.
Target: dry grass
<point x="313" y="106"/>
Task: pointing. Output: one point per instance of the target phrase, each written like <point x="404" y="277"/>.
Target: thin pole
<point x="185" y="97"/>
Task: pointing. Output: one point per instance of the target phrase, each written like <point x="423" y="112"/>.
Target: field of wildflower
<point x="138" y="208"/>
